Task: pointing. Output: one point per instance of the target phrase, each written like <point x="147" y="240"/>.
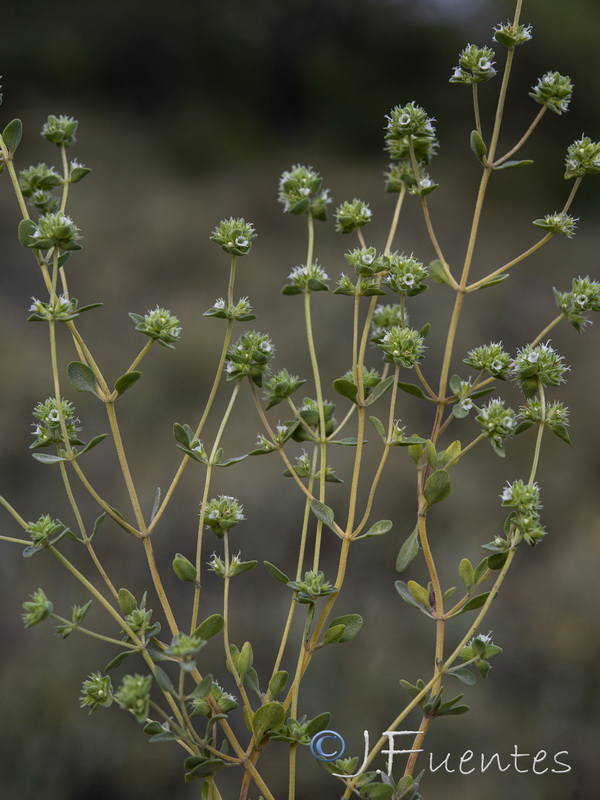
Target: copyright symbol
<point x="327" y="746"/>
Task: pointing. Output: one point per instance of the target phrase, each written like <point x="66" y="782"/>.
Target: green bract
<point x="158" y="324"/>
<point x="60" y="130"/>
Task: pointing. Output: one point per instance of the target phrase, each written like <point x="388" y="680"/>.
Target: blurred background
<point x="188" y="113"/>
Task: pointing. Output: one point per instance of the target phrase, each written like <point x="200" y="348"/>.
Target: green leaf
<point x="333" y="634"/>
<point x="450" y="453"/>
<point x="410" y="388"/>
<point x="473" y="603"/>
<point x="203" y="688"/>
<point x="405" y="594"/>
<point x="455" y="384"/>
<point x="276" y="573"/>
<point x="97" y="523"/>
<point x="92" y="443"/>
<point x="437" y="487"/>
<point x="184" y="569"/>
<point x="419" y="593"/>
<point x="229" y="461"/>
<point x="408" y="551"/>
<point x="164" y="681"/>
<point x="467" y="573"/>
<point x="317" y="724"/>
<point x="127" y="602"/>
<point x="12" y="135"/>
<point x="561" y="432"/>
<point x="493" y="281"/>
<point x="245" y="659"/>
<point x="47" y="458"/>
<point x="431" y="453"/>
<point x="352" y="624"/>
<point x="478" y="146"/>
<point x="323" y="513"/>
<point x="266" y="718"/>
<point x="378" y="425"/>
<point x="117" y="660"/>
<point x="126" y="382"/>
<point x="437" y="273"/>
<point x="210" y="627"/>
<point x="349" y="441"/>
<point x="497" y="560"/>
<point x="379" y="390"/>
<point x="82" y="378"/>
<point x="512" y="164"/>
<point x="464" y="675"/>
<point x="182" y="434"/>
<point x="346" y="389"/>
<point x="278" y="683"/>
<point x="27" y="228"/>
<point x="378" y="528"/>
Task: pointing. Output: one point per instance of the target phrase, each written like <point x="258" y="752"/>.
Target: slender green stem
<point x="87" y="632"/>
<point x="226" y="643"/>
<point x="395" y="219"/>
<point x="103" y="504"/>
<point x="160" y="591"/>
<point x="523" y="138"/>
<point x="478" y="284"/>
<point x="66" y="173"/>
<point x="135" y="503"/>
<point x="476" y="110"/>
<point x="538" y="441"/>
<point x="547" y="329"/>
<point x="16" y="516"/>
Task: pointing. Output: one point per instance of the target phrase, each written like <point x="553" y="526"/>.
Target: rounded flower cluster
<point x="60" y="130"/>
<point x="47" y="430"/>
<point x="554" y="91"/>
<point x="365" y="261"/>
<point x="311" y="278"/>
<point x="43" y="529"/>
<point x="62" y="309"/>
<point x="402" y="346"/>
<point x="559" y="222"/>
<point x="511" y="35"/>
<point x="55" y="230"/>
<point x="351" y="216"/>
<point x="497" y="422"/>
<point x="222" y="513"/>
<point x="584" y="296"/>
<point x="37" y="184"/>
<point x="491" y="358"/>
<point x="280" y="387"/>
<point x="539" y="365"/>
<point x="300" y="192"/>
<point x="475" y="65"/>
<point x="250" y="355"/>
<point x="96" y="692"/>
<point x="134" y="695"/>
<point x="159" y="324"/>
<point x="235" y="236"/>
<point x="521" y="496"/>
<point x="405" y="275"/>
<point x="37" y="609"/>
<point x="409" y="127"/>
<point x="384" y="318"/>
<point x="583" y="158"/>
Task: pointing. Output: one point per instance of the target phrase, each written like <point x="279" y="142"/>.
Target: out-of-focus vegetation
<point x="188" y="113"/>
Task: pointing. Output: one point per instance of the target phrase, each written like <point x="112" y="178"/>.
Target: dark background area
<point x="188" y="114"/>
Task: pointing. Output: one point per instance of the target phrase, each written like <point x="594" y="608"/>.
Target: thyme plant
<point x="237" y="719"/>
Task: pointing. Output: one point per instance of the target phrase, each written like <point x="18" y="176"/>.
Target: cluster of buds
<point x="475" y="65"/>
<point x="184" y="648"/>
<point x="37" y="184"/>
<point x="479" y="651"/>
<point x="583" y="158"/>
<point x="306" y="278"/>
<point x="400" y="174"/>
<point x="405" y="275"/>
<point x="402" y="346"/>
<point x="559" y="222"/>
<point x="524" y="499"/>
<point x="281" y="386"/>
<point x="223" y="513"/>
<point x="365" y="261"/>
<point x="490" y="358"/>
<point x="300" y="192"/>
<point x="384" y="318"/>
<point x="554" y="415"/>
<point x="312" y="587"/>
<point x="350" y="217"/>
<point x="310" y="414"/>
<point x="134" y="695"/>
<point x="236" y="566"/>
<point x="52" y="230"/>
<point x="200" y="706"/>
<point x="584" y="296"/>
<point x="249" y="356"/>
<point x="37" y="609"/>
<point x="158" y="324"/>
<point x="554" y="91"/>
<point x="235" y="236"/>
<point x="497" y="423"/>
<point x="240" y="311"/>
<point x="409" y="130"/>
<point x="538" y="366"/>
<point x="96" y="692"/>
<point x="44" y="529"/>
<point x="511" y="35"/>
<point x="60" y="130"/>
<point x="48" y="430"/>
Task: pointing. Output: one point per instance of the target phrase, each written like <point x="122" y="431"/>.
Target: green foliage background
<point x="188" y="113"/>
